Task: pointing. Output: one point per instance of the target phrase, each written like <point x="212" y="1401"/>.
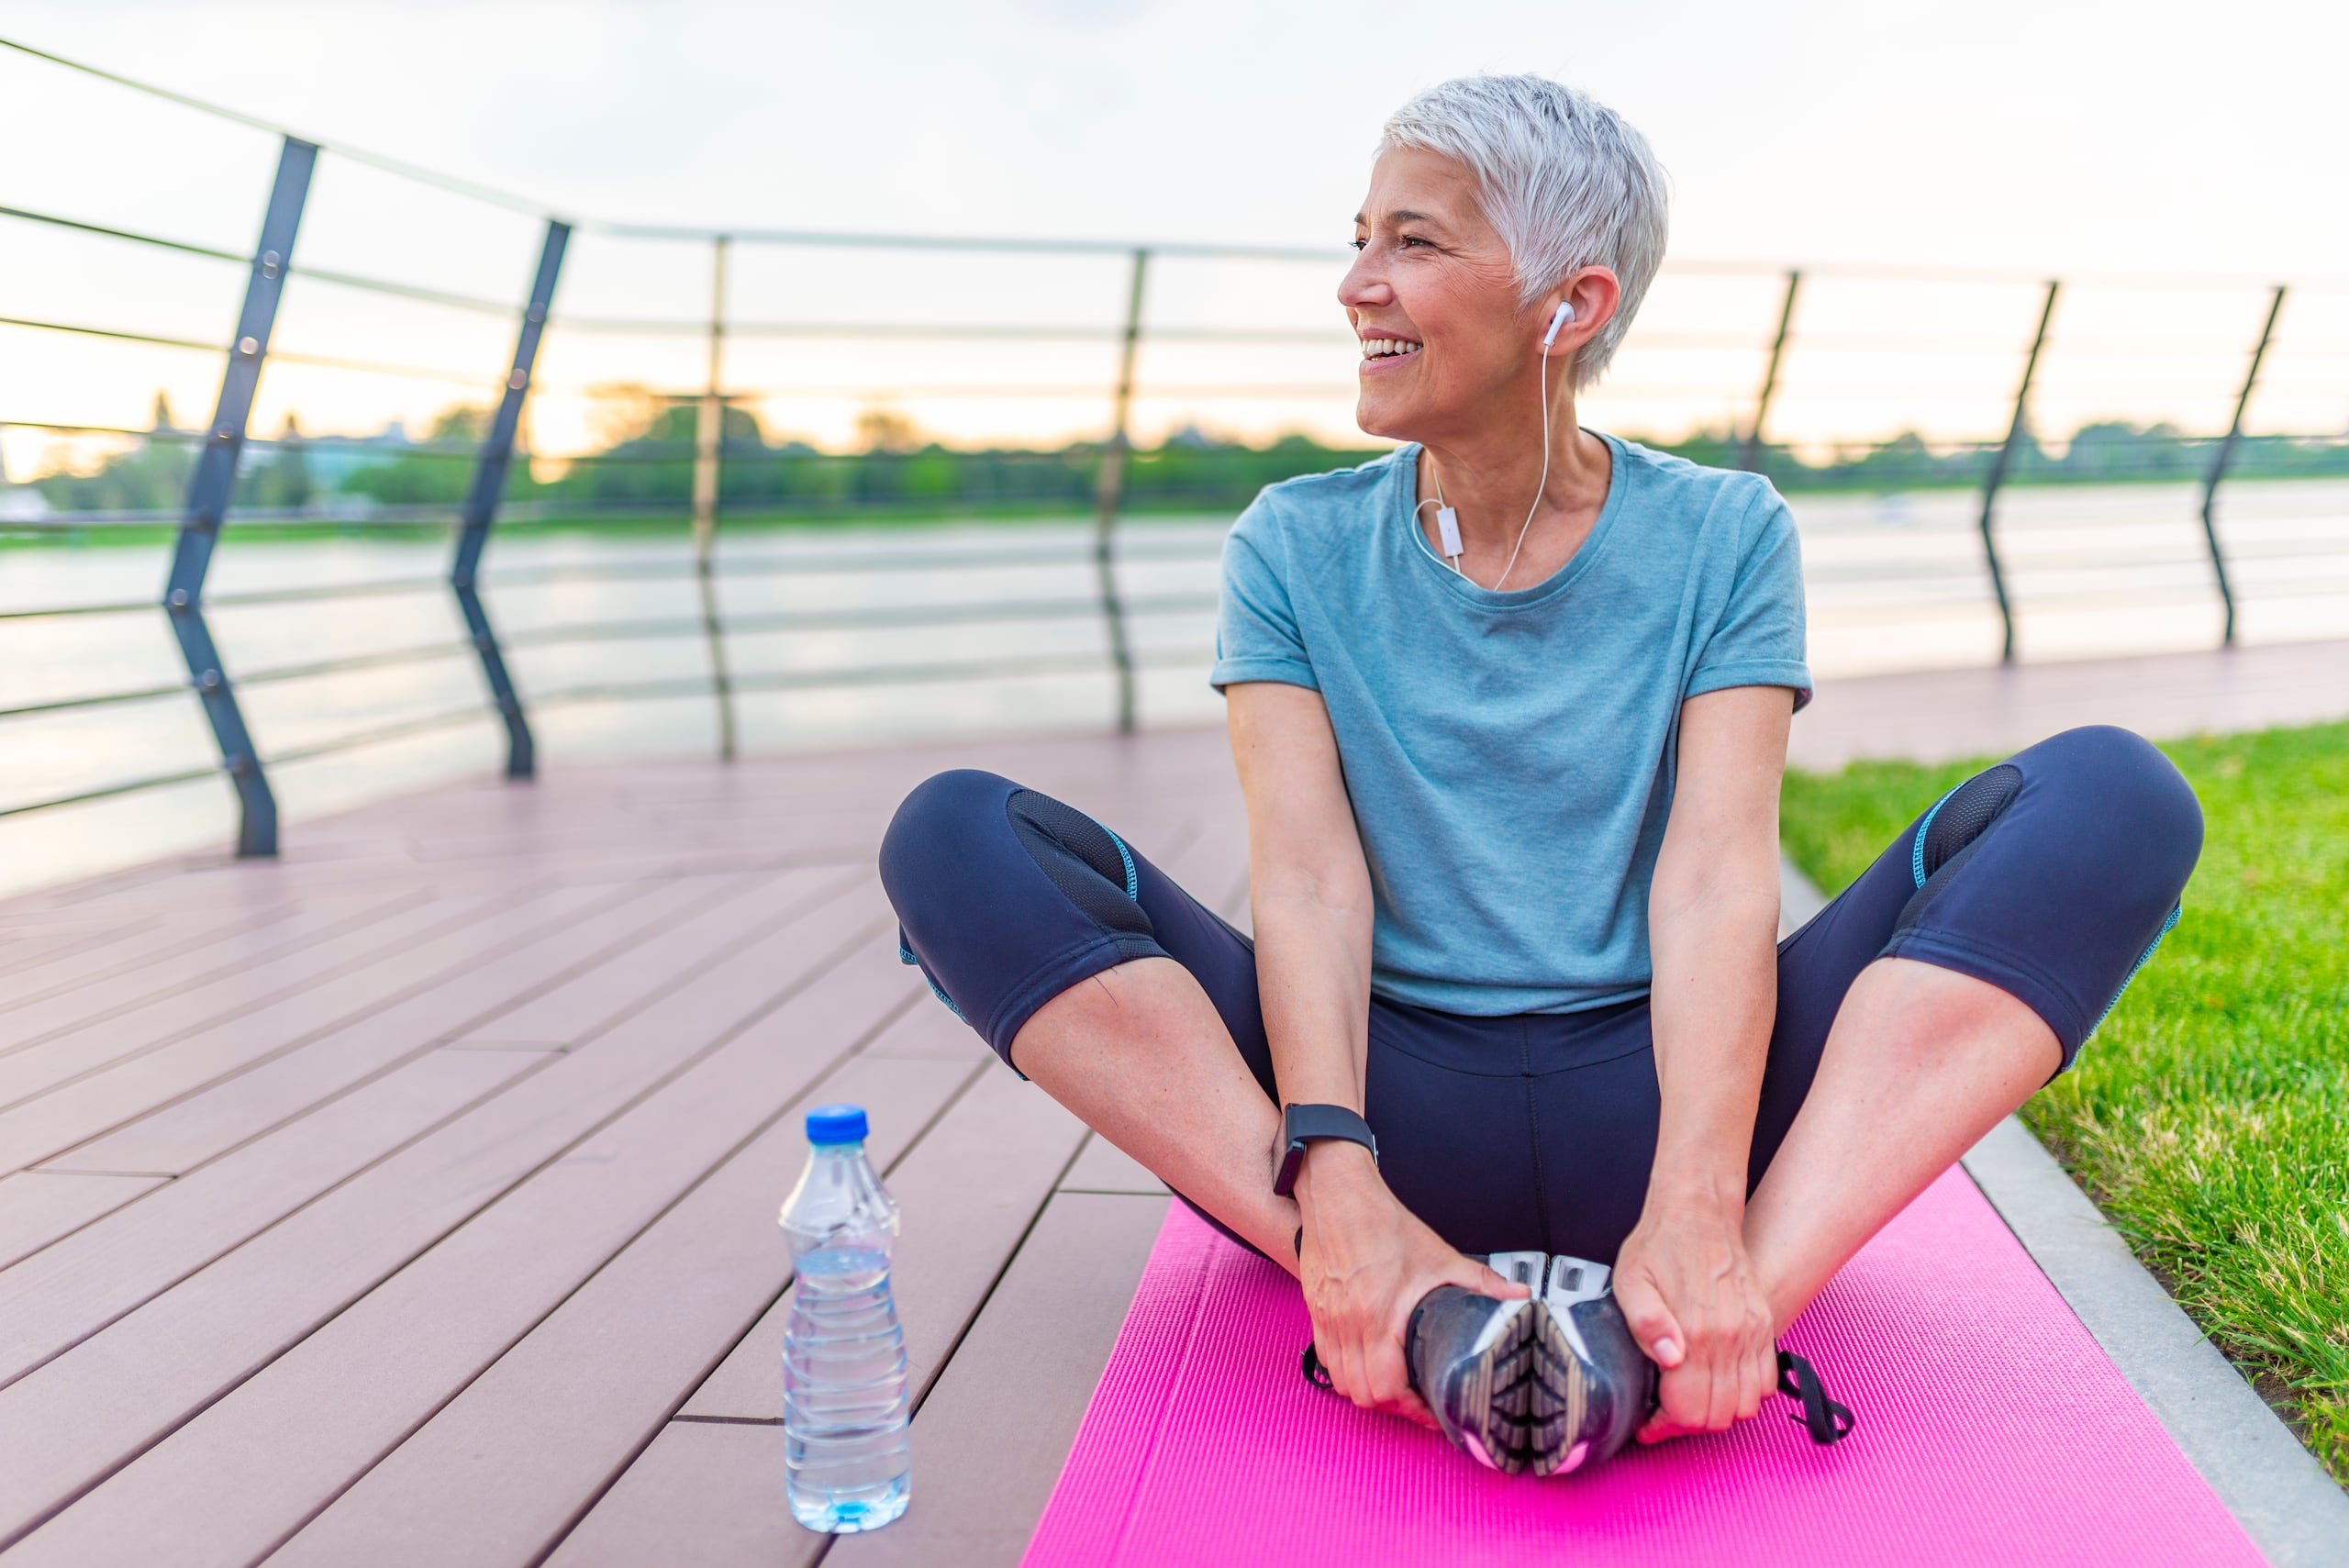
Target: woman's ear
<point x="1590" y="296"/>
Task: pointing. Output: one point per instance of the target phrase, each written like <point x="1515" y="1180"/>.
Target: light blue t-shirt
<point x="1511" y="755"/>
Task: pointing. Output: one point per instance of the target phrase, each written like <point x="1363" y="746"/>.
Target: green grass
<point x="2209" y="1116"/>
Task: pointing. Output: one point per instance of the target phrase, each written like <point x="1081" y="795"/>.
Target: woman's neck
<point x="1487" y="474"/>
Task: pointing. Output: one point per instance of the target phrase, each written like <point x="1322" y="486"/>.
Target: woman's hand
<point x="1365" y="1262"/>
<point x="1697" y="1308"/>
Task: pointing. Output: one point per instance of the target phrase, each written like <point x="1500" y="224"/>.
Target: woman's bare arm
<point x="1364" y="1260"/>
<point x="1308" y="893"/>
<point x="1683" y="1278"/>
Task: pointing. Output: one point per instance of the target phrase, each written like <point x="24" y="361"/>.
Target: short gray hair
<point x="1562" y="178"/>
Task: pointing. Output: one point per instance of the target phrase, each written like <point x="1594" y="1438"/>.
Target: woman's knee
<point x="2134" y="794"/>
<point x="933" y="830"/>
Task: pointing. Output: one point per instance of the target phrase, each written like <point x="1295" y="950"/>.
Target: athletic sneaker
<point x="1545" y="1384"/>
<point x="1553" y="1382"/>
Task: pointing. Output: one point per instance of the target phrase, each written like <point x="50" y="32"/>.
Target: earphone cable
<point x="1543" y="381"/>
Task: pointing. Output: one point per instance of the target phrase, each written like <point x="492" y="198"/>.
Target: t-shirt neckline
<point x="1406" y="467"/>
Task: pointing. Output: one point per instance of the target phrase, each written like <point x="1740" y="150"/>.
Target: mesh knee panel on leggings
<point x="1945" y="840"/>
<point x="1084" y="861"/>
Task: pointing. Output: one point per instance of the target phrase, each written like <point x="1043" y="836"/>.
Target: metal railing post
<point x="709" y="436"/>
<point x="213" y="485"/>
<point x="2227" y="455"/>
<point x="1108" y="497"/>
<point x="1998" y="474"/>
<point x="1751" y="461"/>
<point x="481" y="508"/>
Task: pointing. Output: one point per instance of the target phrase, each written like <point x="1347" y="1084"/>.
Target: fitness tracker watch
<point x="1301" y="1125"/>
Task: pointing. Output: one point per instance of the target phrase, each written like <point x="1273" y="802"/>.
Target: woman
<point x="1509" y="707"/>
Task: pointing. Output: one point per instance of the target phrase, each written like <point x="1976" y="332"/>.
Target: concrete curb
<point x="2283" y="1499"/>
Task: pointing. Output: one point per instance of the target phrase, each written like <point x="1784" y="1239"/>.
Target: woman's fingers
<point x="1652" y="1322"/>
<point x="1685" y="1404"/>
<point x="1756" y="1377"/>
<point x="1689" y="1395"/>
<point x="1703" y="1393"/>
<point x="1472" y="1275"/>
<point x="1338" y="1343"/>
<point x="1346" y="1374"/>
<point x="1358" y="1379"/>
<point x="1708" y="1377"/>
<point x="1723" y="1381"/>
<point x="1660" y="1426"/>
<point x="1390" y="1378"/>
<point x="1681" y="1393"/>
<point x="1723" y="1368"/>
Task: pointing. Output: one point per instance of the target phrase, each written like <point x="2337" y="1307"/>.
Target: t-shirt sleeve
<point x="1759" y="641"/>
<point x="1256" y="637"/>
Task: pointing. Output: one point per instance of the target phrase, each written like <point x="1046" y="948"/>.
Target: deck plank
<point x="563" y="1013"/>
<point x="40" y="1129"/>
<point x="1102" y="1167"/>
<point x="706" y="1494"/>
<point x="588" y="927"/>
<point x="929" y="1030"/>
<point x="420" y="974"/>
<point x="291" y="982"/>
<point x="60" y="1295"/>
<point x="67" y="1425"/>
<point x="494" y="1472"/>
<point x="66" y="947"/>
<point x="37" y="1207"/>
<point x="158" y="946"/>
<point x="990" y="1440"/>
<point x="79" y="996"/>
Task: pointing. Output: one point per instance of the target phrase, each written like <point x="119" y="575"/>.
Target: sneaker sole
<point x="1523" y="1398"/>
<point x="1558" y="1400"/>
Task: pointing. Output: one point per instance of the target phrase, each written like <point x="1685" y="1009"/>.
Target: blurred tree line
<point x="895" y="466"/>
<point x="2104" y="452"/>
<point x="153" y="476"/>
<point x="644" y="460"/>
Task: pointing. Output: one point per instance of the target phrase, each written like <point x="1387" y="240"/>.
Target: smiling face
<point x="1432" y="296"/>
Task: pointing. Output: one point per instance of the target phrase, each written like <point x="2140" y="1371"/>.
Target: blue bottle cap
<point x="836" y="1123"/>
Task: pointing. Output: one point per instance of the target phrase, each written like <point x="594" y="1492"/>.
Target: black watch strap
<point x="1303" y="1125"/>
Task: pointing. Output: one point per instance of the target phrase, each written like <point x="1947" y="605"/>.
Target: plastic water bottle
<point x="848" y="1465"/>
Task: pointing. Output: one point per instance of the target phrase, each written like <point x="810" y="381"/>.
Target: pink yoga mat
<point x="1992" y="1430"/>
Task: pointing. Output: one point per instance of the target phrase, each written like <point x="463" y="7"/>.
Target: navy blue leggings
<point x="2052" y="876"/>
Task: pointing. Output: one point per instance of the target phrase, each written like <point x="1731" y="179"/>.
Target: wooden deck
<point x="411" y="1200"/>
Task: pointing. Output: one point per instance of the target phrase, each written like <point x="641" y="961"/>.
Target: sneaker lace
<point x="1827" y="1421"/>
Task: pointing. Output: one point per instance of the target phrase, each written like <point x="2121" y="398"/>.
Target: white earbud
<point x="1564" y="313"/>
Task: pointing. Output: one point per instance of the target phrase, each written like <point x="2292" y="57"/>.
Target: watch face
<point x="1287" y="1154"/>
<point x="1292" y="1155"/>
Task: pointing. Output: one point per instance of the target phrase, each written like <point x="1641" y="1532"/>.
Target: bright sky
<point x="2008" y="134"/>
